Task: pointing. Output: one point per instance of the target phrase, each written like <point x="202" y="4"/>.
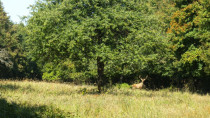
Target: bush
<point x="123" y="86"/>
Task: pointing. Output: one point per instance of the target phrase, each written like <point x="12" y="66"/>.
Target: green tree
<point x="190" y="29"/>
<point x="5" y="42"/>
<point x="13" y="61"/>
<point x="23" y="66"/>
<point x="97" y="38"/>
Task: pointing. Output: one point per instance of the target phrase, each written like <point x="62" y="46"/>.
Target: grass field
<point x="28" y="99"/>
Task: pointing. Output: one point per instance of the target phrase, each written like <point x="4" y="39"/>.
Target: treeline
<point x="14" y="62"/>
<point x="110" y="41"/>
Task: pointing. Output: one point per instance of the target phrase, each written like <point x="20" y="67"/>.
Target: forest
<point x="109" y="42"/>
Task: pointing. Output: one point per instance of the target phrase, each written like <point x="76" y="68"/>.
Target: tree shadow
<point x="83" y="91"/>
<point x="94" y="91"/>
<point x="13" y="87"/>
<point x="13" y="110"/>
<point x="9" y="87"/>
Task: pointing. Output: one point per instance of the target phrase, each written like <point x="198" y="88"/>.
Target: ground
<point x="57" y="100"/>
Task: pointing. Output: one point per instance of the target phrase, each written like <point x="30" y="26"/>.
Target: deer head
<point x="140" y="85"/>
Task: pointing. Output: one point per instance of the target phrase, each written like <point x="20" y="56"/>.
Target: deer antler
<point x="142" y="79"/>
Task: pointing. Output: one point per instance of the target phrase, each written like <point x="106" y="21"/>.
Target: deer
<point x="140" y="85"/>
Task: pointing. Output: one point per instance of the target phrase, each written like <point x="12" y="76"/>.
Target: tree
<point x="13" y="61"/>
<point x="190" y="29"/>
<point x="5" y="36"/>
<point x="97" y="37"/>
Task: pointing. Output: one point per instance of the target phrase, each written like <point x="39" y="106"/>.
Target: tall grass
<point x="42" y="99"/>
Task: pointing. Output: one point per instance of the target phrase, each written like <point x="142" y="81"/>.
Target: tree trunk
<point x="100" y="66"/>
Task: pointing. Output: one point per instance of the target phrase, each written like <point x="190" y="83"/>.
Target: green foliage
<point x="6" y="42"/>
<point x="124" y="36"/>
<point x="63" y="71"/>
<point x="13" y="60"/>
<point x="123" y="86"/>
<point x="109" y="41"/>
<point x="190" y="27"/>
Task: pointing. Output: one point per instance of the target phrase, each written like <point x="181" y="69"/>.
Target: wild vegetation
<point x="42" y="99"/>
<point x="110" y="41"/>
<point x="92" y="51"/>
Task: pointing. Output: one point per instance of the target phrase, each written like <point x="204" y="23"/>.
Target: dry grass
<point x="65" y="100"/>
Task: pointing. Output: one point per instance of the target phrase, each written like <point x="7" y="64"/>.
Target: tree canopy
<point x="190" y="27"/>
<point x="5" y="42"/>
<point x="99" y="37"/>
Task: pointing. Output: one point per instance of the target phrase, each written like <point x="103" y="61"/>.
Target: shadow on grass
<point x="85" y="91"/>
<point x="13" y="87"/>
<point x="9" y="87"/>
<point x="13" y="110"/>
<point x="127" y="92"/>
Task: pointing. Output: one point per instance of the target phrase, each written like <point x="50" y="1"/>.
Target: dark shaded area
<point x="181" y="3"/>
<point x="4" y="71"/>
<point x="30" y="69"/>
<point x="9" y="87"/>
<point x="13" y="110"/>
<point x="156" y="82"/>
<point x="14" y="87"/>
<point x="22" y="68"/>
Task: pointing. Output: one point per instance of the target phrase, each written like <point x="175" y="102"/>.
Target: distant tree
<point x="5" y="58"/>
<point x="13" y="61"/>
<point x="23" y="66"/>
<point x="5" y="36"/>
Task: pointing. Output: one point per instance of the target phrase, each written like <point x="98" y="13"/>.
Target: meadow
<point x="28" y="99"/>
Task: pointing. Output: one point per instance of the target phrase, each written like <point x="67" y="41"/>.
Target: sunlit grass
<point x="68" y="100"/>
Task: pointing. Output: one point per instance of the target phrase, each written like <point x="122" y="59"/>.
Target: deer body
<point x="140" y="85"/>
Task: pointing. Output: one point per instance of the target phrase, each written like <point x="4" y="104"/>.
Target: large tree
<point x="99" y="37"/>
